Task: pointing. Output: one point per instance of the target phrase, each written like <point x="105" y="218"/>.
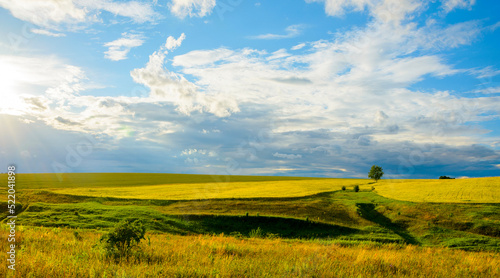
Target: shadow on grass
<point x="368" y="212"/>
<point x="277" y="226"/>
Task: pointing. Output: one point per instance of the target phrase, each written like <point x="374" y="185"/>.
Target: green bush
<point x="356" y="188"/>
<point x="343" y="188"/>
<point x="256" y="233"/>
<point x="126" y="235"/>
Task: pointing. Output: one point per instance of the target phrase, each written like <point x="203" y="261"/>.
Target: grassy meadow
<point x="56" y="252"/>
<point x="245" y="226"/>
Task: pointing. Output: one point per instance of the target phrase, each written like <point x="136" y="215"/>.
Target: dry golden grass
<point x="477" y="190"/>
<point x="44" y="252"/>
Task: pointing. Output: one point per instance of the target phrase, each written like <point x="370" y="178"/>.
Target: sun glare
<point x="11" y="101"/>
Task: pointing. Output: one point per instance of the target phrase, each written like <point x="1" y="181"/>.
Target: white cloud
<point x="455" y="35"/>
<point x="287" y="156"/>
<point x="339" y="7"/>
<point x="139" y="12"/>
<point x="298" y="46"/>
<point x="485" y="72"/>
<point x="46" y="13"/>
<point x="383" y="10"/>
<point x="47" y="33"/>
<point x="172" y="87"/>
<point x="490" y="90"/>
<point x="191" y="8"/>
<point x="173" y="43"/>
<point x="200" y="58"/>
<point x="118" y="49"/>
<point x="55" y="14"/>
<point x="449" y="5"/>
<point x="292" y="31"/>
<point x="194" y="151"/>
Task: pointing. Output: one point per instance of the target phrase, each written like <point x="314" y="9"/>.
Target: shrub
<point x="356" y="188"/>
<point x="343" y="188"/>
<point x="123" y="238"/>
<point x="256" y="232"/>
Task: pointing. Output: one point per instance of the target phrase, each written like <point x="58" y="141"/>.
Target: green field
<point x="311" y="213"/>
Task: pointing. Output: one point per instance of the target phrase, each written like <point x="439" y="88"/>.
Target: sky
<point x="323" y="88"/>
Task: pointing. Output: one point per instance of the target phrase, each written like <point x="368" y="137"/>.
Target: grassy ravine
<point x="62" y="253"/>
<point x="311" y="228"/>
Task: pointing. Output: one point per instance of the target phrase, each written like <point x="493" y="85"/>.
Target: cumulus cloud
<point x="173" y="43"/>
<point x="48" y="13"/>
<point x="172" y="87"/>
<point x="118" y="49"/>
<point x="54" y="14"/>
<point x="191" y="8"/>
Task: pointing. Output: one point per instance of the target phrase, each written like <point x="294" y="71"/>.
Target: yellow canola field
<point x="193" y="191"/>
<point x="476" y="190"/>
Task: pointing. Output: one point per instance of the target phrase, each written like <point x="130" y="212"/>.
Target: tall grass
<point x="46" y="252"/>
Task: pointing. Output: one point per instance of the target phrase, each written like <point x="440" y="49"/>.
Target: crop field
<point x="99" y="180"/>
<point x="478" y="190"/>
<point x="192" y="187"/>
<point x="246" y="226"/>
<point x="241" y="190"/>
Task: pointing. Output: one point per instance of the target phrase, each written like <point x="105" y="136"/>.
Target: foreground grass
<point x="476" y="190"/>
<point x="45" y="252"/>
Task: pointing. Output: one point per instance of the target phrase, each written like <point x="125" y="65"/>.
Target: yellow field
<point x="192" y="187"/>
<point x="477" y="190"/>
<point x="195" y="191"/>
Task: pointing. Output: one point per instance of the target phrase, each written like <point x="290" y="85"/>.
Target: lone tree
<point x="376" y="172"/>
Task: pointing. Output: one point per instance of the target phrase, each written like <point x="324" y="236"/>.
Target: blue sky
<point x="242" y="87"/>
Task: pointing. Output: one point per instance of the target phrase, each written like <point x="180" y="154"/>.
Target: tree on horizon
<point x="376" y="173"/>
